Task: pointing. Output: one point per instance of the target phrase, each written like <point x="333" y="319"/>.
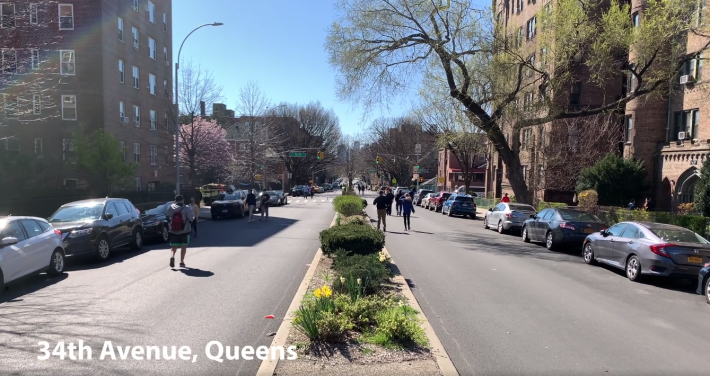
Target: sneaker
<point x="182" y="264"/>
<point x="172" y="262"/>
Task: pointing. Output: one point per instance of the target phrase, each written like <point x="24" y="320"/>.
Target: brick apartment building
<point x="450" y="168"/>
<point x="103" y="64"/>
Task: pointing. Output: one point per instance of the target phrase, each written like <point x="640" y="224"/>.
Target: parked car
<point x="507" y="216"/>
<point x="557" y="227"/>
<point x="229" y="205"/>
<point x="704" y="282"/>
<point x="298" y="190"/>
<point x="419" y="196"/>
<point x="98" y="226"/>
<point x="647" y="248"/>
<point x="459" y="205"/>
<point x="276" y="198"/>
<point x="425" y="200"/>
<point x="28" y="245"/>
<point x="437" y="201"/>
<point x="155" y="222"/>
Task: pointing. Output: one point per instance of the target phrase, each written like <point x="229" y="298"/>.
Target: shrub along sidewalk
<point x="355" y="320"/>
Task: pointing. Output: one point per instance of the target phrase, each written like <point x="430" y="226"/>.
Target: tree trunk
<point x="514" y="174"/>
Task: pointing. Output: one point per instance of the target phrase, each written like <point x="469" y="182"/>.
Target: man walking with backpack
<point x="180" y="217"/>
<point x="264" y="206"/>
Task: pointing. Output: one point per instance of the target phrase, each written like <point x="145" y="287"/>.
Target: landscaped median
<point x="355" y="317"/>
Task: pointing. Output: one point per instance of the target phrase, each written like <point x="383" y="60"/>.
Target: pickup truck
<point x="435" y="203"/>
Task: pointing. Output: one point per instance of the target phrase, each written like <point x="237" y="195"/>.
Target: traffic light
<point x="417" y="167"/>
<point x="378" y="160"/>
<point x="321" y="155"/>
<point x="421" y="180"/>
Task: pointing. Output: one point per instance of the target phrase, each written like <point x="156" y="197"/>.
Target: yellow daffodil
<point x="400" y="303"/>
<point x="326" y="291"/>
<point x="359" y="281"/>
<point x="383" y="258"/>
<point x="318" y="293"/>
<point x="342" y="279"/>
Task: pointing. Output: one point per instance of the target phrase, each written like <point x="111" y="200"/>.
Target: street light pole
<point x="177" y="109"/>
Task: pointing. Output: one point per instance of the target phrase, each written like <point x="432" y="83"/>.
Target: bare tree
<point x="351" y="164"/>
<point x="197" y="85"/>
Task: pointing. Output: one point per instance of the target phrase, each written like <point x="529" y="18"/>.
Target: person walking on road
<point x="180" y="217"/>
<point x="505" y="198"/>
<point x="398" y="201"/>
<point x="407" y="210"/>
<point x="313" y="192"/>
<point x="196" y="209"/>
<point x="390" y="199"/>
<point x="265" y="206"/>
<point x="382" y="204"/>
<point x="251" y="204"/>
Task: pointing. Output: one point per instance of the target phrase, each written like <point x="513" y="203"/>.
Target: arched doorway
<point x="686" y="185"/>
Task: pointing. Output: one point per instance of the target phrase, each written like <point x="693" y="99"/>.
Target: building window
<point x="68" y="62"/>
<point x="135" y="5"/>
<point x="120" y="29"/>
<point x="151" y="47"/>
<point x="531" y="61"/>
<point x="134" y="32"/>
<point x="137" y="116"/>
<point x="151" y="12"/>
<point x="153" y="120"/>
<point x="165" y="88"/>
<point x="68" y="107"/>
<point x="138" y="184"/>
<point x="136" y="152"/>
<point x="11" y="106"/>
<point x="693" y="68"/>
<point x="121" y="71"/>
<point x="68" y="150"/>
<point x="526" y="141"/>
<point x="151" y="80"/>
<point x="165" y="54"/>
<point x="136" y="77"/>
<point x="7" y="15"/>
<point x="123" y="150"/>
<point x="153" y="155"/>
<point x="631" y="82"/>
<point x="165" y="22"/>
<point x="532" y="28"/>
<point x="9" y="61"/>
<point x="543" y="136"/>
<point x="635" y="19"/>
<point x="525" y="173"/>
<point x="629" y="127"/>
<point x="36" y="104"/>
<point x="38" y="147"/>
<point x="71" y="183"/>
<point x="35" y="59"/>
<point x="167" y="123"/>
<point x="122" y="112"/>
<point x="575" y="94"/>
<point x="699" y="13"/>
<point x="520" y="6"/>
<point x="33" y="14"/>
<point x="519" y="38"/>
<point x="687" y="122"/>
<point x="528" y="101"/>
<point x="66" y="17"/>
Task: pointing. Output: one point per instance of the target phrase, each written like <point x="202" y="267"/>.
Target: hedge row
<point x="696" y="223"/>
<point x="353" y="238"/>
<point x="348" y="205"/>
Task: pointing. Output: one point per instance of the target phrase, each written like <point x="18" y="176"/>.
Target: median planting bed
<point x="354" y="319"/>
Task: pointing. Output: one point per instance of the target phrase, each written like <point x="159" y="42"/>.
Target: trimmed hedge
<point x="612" y="215"/>
<point x="353" y="239"/>
<point x="546" y="205"/>
<point x="368" y="268"/>
<point x="348" y="205"/>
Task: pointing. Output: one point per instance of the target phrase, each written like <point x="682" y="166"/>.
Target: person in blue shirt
<point x="407" y="210"/>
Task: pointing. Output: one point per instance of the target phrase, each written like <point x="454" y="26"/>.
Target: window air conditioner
<point x="135" y="44"/>
<point x="682" y="135"/>
<point x="686" y="79"/>
<point x="137" y="120"/>
<point x="124" y="119"/>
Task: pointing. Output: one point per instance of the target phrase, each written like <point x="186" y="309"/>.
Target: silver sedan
<point x="507" y="216"/>
<point x="276" y="198"/>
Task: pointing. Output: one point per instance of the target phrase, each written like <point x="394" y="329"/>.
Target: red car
<point x="437" y="201"/>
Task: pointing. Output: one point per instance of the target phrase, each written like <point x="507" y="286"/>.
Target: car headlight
<point x="77" y="233"/>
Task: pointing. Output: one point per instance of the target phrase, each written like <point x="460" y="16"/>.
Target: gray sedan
<point x="507" y="216"/>
<point x="647" y="248"/>
<point x="277" y="198"/>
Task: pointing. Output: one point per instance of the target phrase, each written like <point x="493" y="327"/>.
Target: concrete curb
<point x="268" y="366"/>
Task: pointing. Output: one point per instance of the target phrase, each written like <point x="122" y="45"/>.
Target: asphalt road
<point x="239" y="273"/>
<point x="504" y="307"/>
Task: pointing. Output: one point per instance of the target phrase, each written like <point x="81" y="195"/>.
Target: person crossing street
<point x="390" y="199"/>
<point x="251" y="204"/>
<point x="264" y="206"/>
<point x="382" y="204"/>
<point x="398" y="201"/>
<point x="180" y="216"/>
<point x="407" y="210"/>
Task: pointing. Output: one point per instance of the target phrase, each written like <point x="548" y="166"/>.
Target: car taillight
<point x="567" y="226"/>
<point x="508" y="215"/>
<point x="660" y="249"/>
<point x="453" y="203"/>
<point x="58" y="232"/>
<point x="139" y="212"/>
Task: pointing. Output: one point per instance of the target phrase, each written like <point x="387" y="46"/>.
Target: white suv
<point x="28" y="245"/>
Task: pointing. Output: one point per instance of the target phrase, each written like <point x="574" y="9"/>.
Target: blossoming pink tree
<point x="204" y="149"/>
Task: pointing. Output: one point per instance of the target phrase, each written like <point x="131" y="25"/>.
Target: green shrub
<point x="398" y="326"/>
<point x="306" y="320"/>
<point x="545" y="205"/>
<point x="348" y="205"/>
<point x="615" y="178"/>
<point x="372" y="272"/>
<point x="587" y="200"/>
<point x="362" y="313"/>
<point x="696" y="223"/>
<point x="701" y="193"/>
<point x="332" y="327"/>
<point x="354" y="239"/>
<point x="364" y="203"/>
<point x="355" y="220"/>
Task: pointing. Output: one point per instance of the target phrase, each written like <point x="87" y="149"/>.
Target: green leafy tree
<point x="615" y="179"/>
<point x="702" y="190"/>
<point x="101" y="159"/>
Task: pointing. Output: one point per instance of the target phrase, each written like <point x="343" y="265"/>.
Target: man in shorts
<point x="180" y="217"/>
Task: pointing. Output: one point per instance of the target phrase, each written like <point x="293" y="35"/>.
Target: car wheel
<point x="137" y="242"/>
<point x="526" y="239"/>
<point x="707" y="288"/>
<point x="501" y="230"/>
<point x="56" y="263"/>
<point x="633" y="268"/>
<point x="449" y="212"/>
<point x="103" y="248"/>
<point x="164" y="233"/>
<point x="2" y="283"/>
<point x="588" y="254"/>
<point x="549" y="241"/>
<point x="485" y="223"/>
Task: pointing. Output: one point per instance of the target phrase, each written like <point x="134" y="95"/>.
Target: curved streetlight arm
<point x="188" y="35"/>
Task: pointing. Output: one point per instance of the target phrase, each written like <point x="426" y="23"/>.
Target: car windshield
<point x="678" y="235"/>
<point x="229" y="197"/>
<point x="465" y="199"/>
<point x="77" y="213"/>
<point x="270" y="193"/>
<point x="522" y="207"/>
<point x="446" y="195"/>
<point x="576" y="215"/>
<point x="158" y="210"/>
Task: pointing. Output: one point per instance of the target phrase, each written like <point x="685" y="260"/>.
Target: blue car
<point x="458" y="204"/>
<point x="704" y="282"/>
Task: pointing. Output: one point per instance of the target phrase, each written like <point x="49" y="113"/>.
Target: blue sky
<point x="277" y="43"/>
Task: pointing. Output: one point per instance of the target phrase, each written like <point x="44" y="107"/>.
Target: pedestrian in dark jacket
<point x="381" y="203"/>
<point x="390" y="199"/>
<point x="398" y="201"/>
<point x="407" y="210"/>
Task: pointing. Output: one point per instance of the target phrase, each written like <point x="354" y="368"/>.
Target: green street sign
<point x="300" y="154"/>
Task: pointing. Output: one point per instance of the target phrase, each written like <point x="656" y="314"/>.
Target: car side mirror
<point x="109" y="216"/>
<point x="8" y="241"/>
<point x="533" y="216"/>
<point x="603" y="233"/>
<point x="490" y="209"/>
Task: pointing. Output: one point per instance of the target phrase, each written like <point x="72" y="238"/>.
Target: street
<point x="239" y="273"/>
<point x="504" y="307"/>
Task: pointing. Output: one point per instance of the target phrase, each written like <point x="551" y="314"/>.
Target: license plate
<point x="588" y="230"/>
<point x="224" y="211"/>
<point x="695" y="260"/>
<point x="466" y="205"/>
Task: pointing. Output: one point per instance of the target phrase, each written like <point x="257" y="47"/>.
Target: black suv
<point x="98" y="226"/>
